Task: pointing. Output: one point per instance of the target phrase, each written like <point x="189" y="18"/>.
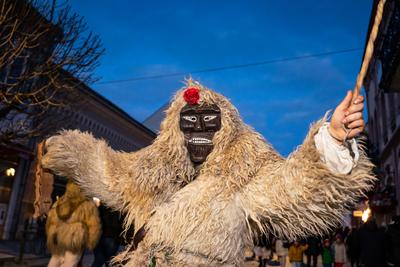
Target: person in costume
<point x="209" y="182"/>
<point x="296" y="253"/>
<point x="339" y="249"/>
<point x="73" y="224"/>
<point x="281" y="248"/>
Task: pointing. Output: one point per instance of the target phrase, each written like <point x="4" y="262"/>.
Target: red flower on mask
<point x="191" y="96"/>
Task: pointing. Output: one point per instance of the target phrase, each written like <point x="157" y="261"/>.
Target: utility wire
<point x="230" y="67"/>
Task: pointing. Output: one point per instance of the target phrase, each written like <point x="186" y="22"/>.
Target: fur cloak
<point x="207" y="217"/>
<point x="73" y="223"/>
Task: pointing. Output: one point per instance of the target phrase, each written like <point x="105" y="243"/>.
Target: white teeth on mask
<point x="200" y="140"/>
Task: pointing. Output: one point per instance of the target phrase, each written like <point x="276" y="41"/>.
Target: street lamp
<point x="10" y="172"/>
<point x="366" y="214"/>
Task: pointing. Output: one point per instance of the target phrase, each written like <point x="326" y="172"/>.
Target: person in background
<point x="41" y="235"/>
<point x="73" y="224"/>
<point x="108" y="245"/>
<point x="261" y="251"/>
<point x="296" y="252"/>
<point x="340" y="251"/>
<point x="327" y="254"/>
<point x="345" y="232"/>
<point x="281" y="249"/>
<point x="313" y="250"/>
<point x="392" y="242"/>
<point x="353" y="246"/>
<point x="372" y="245"/>
<point x="29" y="234"/>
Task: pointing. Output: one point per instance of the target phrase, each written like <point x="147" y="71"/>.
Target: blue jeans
<point x="296" y="264"/>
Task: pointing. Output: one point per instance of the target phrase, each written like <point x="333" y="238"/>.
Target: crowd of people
<point x="367" y="245"/>
<point x="76" y="223"/>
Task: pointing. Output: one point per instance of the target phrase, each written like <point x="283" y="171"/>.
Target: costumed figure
<point x="209" y="182"/>
<point x="73" y="224"/>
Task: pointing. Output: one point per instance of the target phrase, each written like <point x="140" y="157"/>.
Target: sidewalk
<point x="9" y="251"/>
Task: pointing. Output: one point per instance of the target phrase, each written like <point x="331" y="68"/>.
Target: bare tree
<point x="45" y="52"/>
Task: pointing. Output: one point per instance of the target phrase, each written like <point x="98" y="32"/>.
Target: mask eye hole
<point x="209" y="117"/>
<point x="190" y="118"/>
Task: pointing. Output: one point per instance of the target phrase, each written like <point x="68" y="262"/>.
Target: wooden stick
<point x="38" y="178"/>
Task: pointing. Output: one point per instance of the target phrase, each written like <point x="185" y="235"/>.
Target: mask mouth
<point x="199" y="152"/>
<point x="199" y="141"/>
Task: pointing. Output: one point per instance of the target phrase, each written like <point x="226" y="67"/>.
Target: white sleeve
<point x="336" y="156"/>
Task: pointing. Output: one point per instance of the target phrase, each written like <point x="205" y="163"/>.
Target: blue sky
<point x="279" y="100"/>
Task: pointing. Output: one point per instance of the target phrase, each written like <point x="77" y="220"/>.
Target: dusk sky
<point x="280" y="100"/>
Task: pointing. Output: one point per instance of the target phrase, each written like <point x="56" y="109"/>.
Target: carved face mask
<point x="199" y="124"/>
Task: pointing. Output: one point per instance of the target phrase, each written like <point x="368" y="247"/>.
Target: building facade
<point x="382" y="86"/>
<point x="96" y="115"/>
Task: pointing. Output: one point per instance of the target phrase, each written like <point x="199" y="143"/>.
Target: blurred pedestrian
<point x="327" y="253"/>
<point x="372" y="245"/>
<point x="41" y="235"/>
<point x="282" y="252"/>
<point x="262" y="251"/>
<point x="340" y="251"/>
<point x="392" y="243"/>
<point x="109" y="242"/>
<point x="30" y="234"/>
<point x="345" y="232"/>
<point x="73" y="224"/>
<point x="313" y="250"/>
<point x="296" y="252"/>
<point x="353" y="246"/>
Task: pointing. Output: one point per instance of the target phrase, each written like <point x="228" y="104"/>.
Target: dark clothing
<point x="111" y="222"/>
<point x="41" y="236"/>
<point x="104" y="251"/>
<point x="392" y="244"/>
<point x="314" y="259"/>
<point x="314" y="246"/>
<point x="108" y="245"/>
<point x="313" y="250"/>
<point x="372" y="245"/>
<point x="353" y="247"/>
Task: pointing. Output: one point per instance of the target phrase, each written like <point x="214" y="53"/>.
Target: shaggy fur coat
<point x="207" y="216"/>
<point x="73" y="223"/>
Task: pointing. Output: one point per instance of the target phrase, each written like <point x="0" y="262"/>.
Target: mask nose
<point x="198" y="126"/>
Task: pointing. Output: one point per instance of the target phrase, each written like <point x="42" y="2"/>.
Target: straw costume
<point x="73" y="224"/>
<point x="197" y="213"/>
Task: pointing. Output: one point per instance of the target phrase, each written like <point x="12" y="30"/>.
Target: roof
<point x="86" y="89"/>
<point x="155" y="119"/>
<point x="116" y="109"/>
